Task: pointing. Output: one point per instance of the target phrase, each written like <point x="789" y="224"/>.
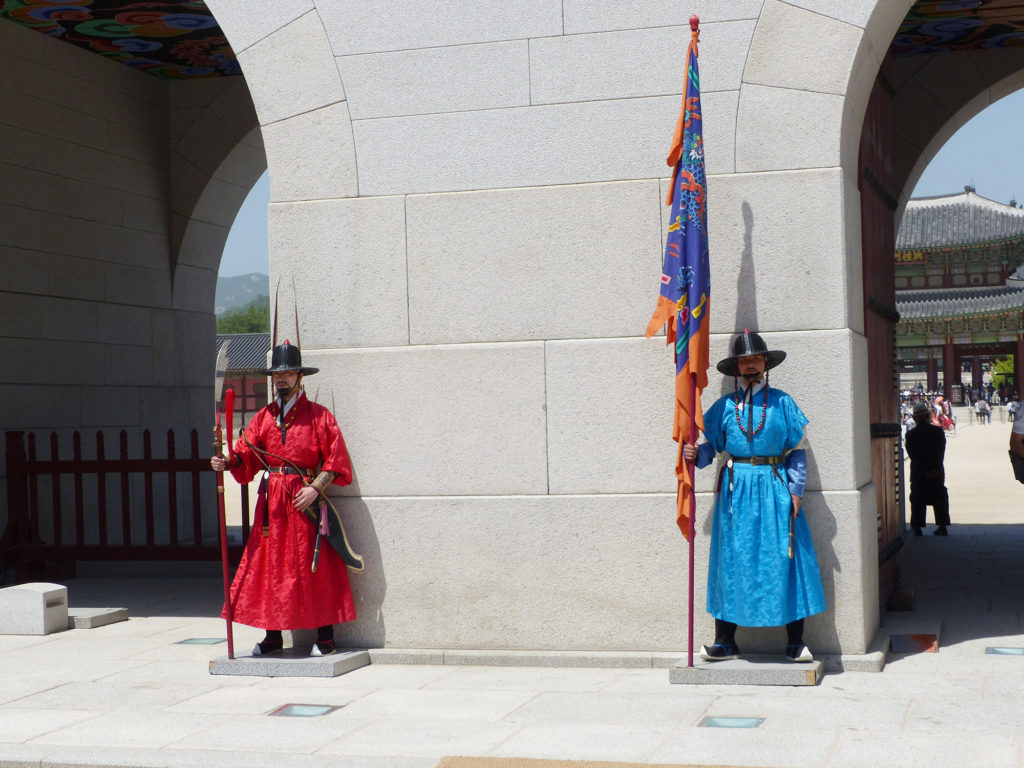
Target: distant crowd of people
<point x="981" y="400"/>
<point x="938" y="406"/>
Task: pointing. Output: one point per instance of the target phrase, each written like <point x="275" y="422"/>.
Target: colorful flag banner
<point x="686" y="278"/>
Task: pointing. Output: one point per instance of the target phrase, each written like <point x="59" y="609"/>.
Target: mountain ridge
<point x="240" y="291"/>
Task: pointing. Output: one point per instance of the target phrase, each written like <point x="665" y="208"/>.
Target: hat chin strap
<point x="284" y="397"/>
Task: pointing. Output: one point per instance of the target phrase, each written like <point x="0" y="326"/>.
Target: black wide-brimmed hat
<point x="287" y="357"/>
<point x="746" y="344"/>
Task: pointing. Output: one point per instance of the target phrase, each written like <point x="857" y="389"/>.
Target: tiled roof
<point x="944" y="302"/>
<point x="248" y="351"/>
<point x="957" y="220"/>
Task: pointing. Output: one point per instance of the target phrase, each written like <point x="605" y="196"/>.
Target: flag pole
<point x="683" y="296"/>
<point x="694" y="24"/>
<point x="693" y="508"/>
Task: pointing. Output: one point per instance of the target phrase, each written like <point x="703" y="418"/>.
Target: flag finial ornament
<point x="694" y="22"/>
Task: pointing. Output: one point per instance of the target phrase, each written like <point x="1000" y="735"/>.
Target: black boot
<point x="795" y="648"/>
<point x="272" y="643"/>
<point x="324" y="645"/>
<point x="725" y="647"/>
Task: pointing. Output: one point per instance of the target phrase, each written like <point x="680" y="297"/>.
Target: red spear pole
<point x="229" y="409"/>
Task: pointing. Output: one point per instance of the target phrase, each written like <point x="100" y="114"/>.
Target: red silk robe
<point x="274" y="587"/>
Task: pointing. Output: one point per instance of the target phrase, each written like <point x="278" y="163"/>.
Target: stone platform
<point x="91" y="618"/>
<point x="749" y="670"/>
<point x="291" y="662"/>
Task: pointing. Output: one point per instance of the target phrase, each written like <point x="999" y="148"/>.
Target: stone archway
<point x="807" y="79"/>
<point x="809" y="75"/>
<point x="119" y="184"/>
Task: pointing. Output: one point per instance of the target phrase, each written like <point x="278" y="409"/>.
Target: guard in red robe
<point x="286" y="580"/>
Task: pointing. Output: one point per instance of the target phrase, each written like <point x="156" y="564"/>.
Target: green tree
<point x="252" y="318"/>
<point x="1000" y="368"/>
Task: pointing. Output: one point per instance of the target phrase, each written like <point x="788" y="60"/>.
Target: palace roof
<point x="248" y="351"/>
<point x="961" y="219"/>
<point x="945" y="302"/>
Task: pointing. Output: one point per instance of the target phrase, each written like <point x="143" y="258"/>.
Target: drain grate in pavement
<point x="201" y="641"/>
<point x="302" y="710"/>
<point x="730" y="722"/>
<point x="996" y="650"/>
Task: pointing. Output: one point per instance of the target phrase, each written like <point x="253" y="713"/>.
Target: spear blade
<point x="221" y="374"/>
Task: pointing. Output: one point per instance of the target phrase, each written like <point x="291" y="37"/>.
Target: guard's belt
<point x="291" y="471"/>
<point x="758" y="460"/>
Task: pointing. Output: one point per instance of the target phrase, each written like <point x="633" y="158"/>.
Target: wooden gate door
<point x="878" y="205"/>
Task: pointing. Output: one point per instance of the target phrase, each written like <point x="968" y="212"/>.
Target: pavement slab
<point x="262" y="733"/>
<point x="417" y="737"/>
<point x="134" y="729"/>
<point x="107" y="696"/>
<point x="950" y="749"/>
<point x="612" y="708"/>
<point x="257" y="700"/>
<point x="746" y="747"/>
<point x="578" y="741"/>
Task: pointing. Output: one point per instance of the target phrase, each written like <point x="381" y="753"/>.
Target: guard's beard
<point x="284" y="394"/>
<point x="752" y="378"/>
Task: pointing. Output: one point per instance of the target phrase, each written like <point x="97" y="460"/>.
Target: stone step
<point x="749" y="670"/>
<point x="291" y="662"/>
<point x="91" y="618"/>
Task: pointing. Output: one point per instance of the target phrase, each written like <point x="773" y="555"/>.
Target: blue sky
<point x="987" y="152"/>
<point x="246" y="248"/>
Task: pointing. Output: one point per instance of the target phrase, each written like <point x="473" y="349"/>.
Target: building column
<point x="1018" y="365"/>
<point x="932" y="373"/>
<point x="950" y="372"/>
<point x="976" y="373"/>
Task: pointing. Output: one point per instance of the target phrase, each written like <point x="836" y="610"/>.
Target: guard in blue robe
<point x="762" y="570"/>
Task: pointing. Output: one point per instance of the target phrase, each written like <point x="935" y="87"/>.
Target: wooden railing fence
<point x="44" y="526"/>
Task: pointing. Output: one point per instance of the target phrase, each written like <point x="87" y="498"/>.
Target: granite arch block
<point x="461" y="419"/>
<point x="352" y="253"/>
<point x="508" y="265"/>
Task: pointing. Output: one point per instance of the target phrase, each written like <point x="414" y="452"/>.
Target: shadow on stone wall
<point x="820" y="631"/>
<point x="369" y="588"/>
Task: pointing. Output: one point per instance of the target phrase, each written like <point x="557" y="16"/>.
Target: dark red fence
<point x="46" y="526"/>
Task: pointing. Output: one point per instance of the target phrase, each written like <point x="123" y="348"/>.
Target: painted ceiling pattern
<point x="939" y="26"/>
<point x="170" y="39"/>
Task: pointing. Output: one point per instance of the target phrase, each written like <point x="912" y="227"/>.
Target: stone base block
<point x="90" y="618"/>
<point x="33" y="609"/>
<point x="292" y="662"/>
<point x="750" y="670"/>
<point x="505" y="658"/>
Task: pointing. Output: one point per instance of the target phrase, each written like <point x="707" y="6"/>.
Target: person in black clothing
<point x="926" y="446"/>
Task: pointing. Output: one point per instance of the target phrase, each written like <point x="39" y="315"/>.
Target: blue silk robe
<point x="751" y="579"/>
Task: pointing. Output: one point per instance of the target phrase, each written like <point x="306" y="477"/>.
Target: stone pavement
<point x="129" y="695"/>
